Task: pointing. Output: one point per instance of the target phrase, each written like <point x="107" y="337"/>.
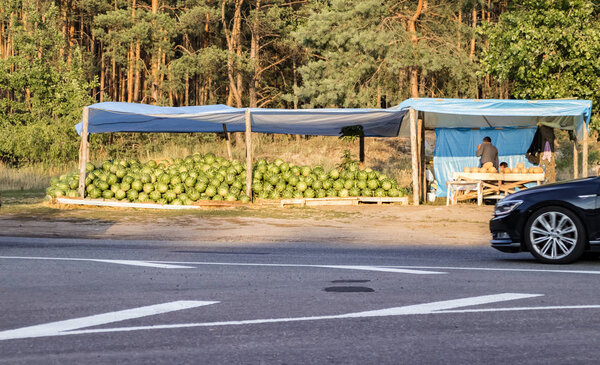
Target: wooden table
<point x="496" y="185"/>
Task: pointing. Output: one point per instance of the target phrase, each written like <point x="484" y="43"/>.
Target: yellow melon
<point x="521" y="165"/>
<point x="492" y="170"/>
<point x="467" y="169"/>
<point x="475" y="169"/>
<point x="487" y="165"/>
<point x="538" y="170"/>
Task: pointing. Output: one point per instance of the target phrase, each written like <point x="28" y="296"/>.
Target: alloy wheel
<point x="553" y="235"/>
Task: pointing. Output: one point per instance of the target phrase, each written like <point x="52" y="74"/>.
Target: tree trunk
<point x="102" y="71"/>
<point x="474" y="25"/>
<point x="130" y="60"/>
<point x="138" y="73"/>
<point x="232" y="37"/>
<point x="254" y="58"/>
<point x="414" y="70"/>
<point x="458" y="26"/>
<point x="155" y="64"/>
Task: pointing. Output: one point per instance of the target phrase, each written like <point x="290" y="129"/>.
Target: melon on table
<point x="475" y="169"/>
<point x="467" y="169"/>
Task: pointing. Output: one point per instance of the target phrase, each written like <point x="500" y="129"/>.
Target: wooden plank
<point x="84" y="150"/>
<point x="584" y="152"/>
<point x="414" y="154"/>
<point x="575" y="159"/>
<point x="497" y="176"/>
<point x="119" y="204"/>
<point x="116" y="204"/>
<point x="344" y="201"/>
<point x="249" y="171"/>
<point x="422" y="177"/>
<point x="401" y="199"/>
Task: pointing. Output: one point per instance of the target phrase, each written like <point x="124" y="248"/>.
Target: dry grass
<point x="30" y="177"/>
<point x="390" y="155"/>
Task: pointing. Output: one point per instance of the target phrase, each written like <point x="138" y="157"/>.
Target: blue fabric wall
<point x="455" y="149"/>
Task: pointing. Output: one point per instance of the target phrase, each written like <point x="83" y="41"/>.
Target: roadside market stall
<point x="460" y="125"/>
<point x="128" y="117"/>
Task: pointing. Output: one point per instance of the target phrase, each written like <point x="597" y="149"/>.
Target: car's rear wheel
<point x="555" y="235"/>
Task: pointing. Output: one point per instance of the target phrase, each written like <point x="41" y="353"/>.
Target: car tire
<point x="555" y="235"/>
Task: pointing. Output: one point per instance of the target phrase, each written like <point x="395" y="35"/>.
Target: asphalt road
<point x="87" y="301"/>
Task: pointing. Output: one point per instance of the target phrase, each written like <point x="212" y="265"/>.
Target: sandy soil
<point x="380" y="225"/>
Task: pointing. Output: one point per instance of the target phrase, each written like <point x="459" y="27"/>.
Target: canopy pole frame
<point x="249" y="171"/>
<point x="575" y="159"/>
<point x="584" y="152"/>
<point x="361" y="150"/>
<point x="421" y="135"/>
<point x="414" y="154"/>
<point x="228" y="141"/>
<point x="84" y="151"/>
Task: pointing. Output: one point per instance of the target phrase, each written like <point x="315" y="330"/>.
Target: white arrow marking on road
<point x="145" y="263"/>
<point x="71" y="327"/>
<point x="120" y="262"/>
<point x="62" y="327"/>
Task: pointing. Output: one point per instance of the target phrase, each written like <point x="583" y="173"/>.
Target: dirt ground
<point x="378" y="225"/>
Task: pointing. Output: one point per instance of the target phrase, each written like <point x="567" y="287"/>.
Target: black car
<point x="557" y="223"/>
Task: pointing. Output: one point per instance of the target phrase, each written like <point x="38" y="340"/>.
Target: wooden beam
<point x="422" y="179"/>
<point x="414" y="154"/>
<point x="84" y="149"/>
<point x="584" y="152"/>
<point x="228" y="140"/>
<point x="575" y="159"/>
<point x="249" y="171"/>
<point x="361" y="152"/>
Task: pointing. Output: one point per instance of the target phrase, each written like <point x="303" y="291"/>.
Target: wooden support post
<point x="84" y="149"/>
<point x="584" y="152"/>
<point x="414" y="154"/>
<point x="422" y="178"/>
<point x="228" y="139"/>
<point x="361" y="152"/>
<point x="249" y="171"/>
<point x="575" y="159"/>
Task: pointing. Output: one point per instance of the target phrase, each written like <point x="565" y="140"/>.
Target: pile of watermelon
<point x="209" y="177"/>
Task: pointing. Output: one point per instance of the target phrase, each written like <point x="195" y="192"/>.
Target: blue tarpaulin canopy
<point x="131" y="117"/>
<point x="461" y="124"/>
<point x="491" y="113"/>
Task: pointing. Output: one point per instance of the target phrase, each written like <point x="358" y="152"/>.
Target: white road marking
<point x="417" y="270"/>
<point x="593" y="272"/>
<point x="120" y="262"/>
<point x="62" y="327"/>
<point x="72" y="327"/>
<point x="146" y="264"/>
<point x="377" y="268"/>
<point x="179" y="265"/>
<point x="389" y="268"/>
<point x="385" y="268"/>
